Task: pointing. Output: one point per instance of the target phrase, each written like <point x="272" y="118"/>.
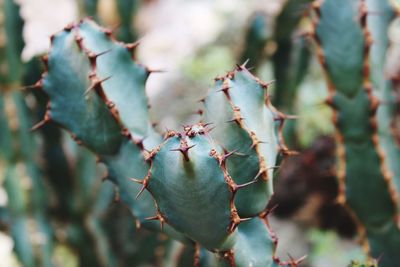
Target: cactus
<point x="188" y="183"/>
<point x="344" y="33"/>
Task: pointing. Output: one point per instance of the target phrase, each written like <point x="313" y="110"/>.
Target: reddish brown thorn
<point x="265" y="85"/>
<point x="260" y="172"/>
<point x="143" y="182"/>
<point x="288" y="152"/>
<point x="290" y="117"/>
<point x="132" y="46"/>
<point x="240" y="186"/>
<point x="41" y="123"/>
<point x="224" y="157"/>
<point x="237" y="120"/>
<point x="93" y="56"/>
<point x="203" y="100"/>
<point x="95" y="83"/>
<point x="184" y="149"/>
<point x="293" y="262"/>
<point x="38" y="85"/>
<point x="149" y="71"/>
<point x="267" y="211"/>
<point x="109" y="31"/>
<point x="157" y="217"/>
<point x="257" y="142"/>
<point x="225" y="90"/>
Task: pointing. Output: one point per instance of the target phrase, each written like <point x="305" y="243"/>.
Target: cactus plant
<point x="352" y="62"/>
<point x="189" y="182"/>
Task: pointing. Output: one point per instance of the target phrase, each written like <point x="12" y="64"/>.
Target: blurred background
<point x="47" y="212"/>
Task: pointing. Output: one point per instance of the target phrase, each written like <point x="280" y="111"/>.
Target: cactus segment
<point x="256" y="38"/>
<point x="93" y="122"/>
<point x="386" y="113"/>
<point x="344" y="43"/>
<point x="126" y="11"/>
<point x="191" y="190"/>
<point x="126" y="87"/>
<point x="66" y="82"/>
<point x="344" y="59"/>
<point x="13" y="25"/>
<point x="245" y="124"/>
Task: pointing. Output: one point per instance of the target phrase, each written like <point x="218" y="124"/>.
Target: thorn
<point x="267" y="211"/>
<point x="237" y="120"/>
<point x="206" y="124"/>
<point x="288" y="152"/>
<point x="243" y="66"/>
<point x="273" y="167"/>
<point x="41" y="123"/>
<point x="265" y="85"/>
<point x="224" y="157"/>
<point x="38" y="85"/>
<point x="93" y="56"/>
<point x="257" y="142"/>
<point x="143" y="182"/>
<point x="157" y="217"/>
<point x="96" y="82"/>
<point x="154" y="71"/>
<point x="184" y="149"/>
<point x="225" y="90"/>
<point x="260" y="172"/>
<point x="132" y="46"/>
<point x="300" y="260"/>
<point x="240" y="186"/>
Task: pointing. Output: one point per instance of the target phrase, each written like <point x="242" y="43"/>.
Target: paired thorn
<point x="222" y="159"/>
<point x="157" y="217"/>
<point x="236" y="220"/>
<point x="184" y="149"/>
<point x="293" y="262"/>
<point x="265" y="85"/>
<point x="144" y="184"/>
